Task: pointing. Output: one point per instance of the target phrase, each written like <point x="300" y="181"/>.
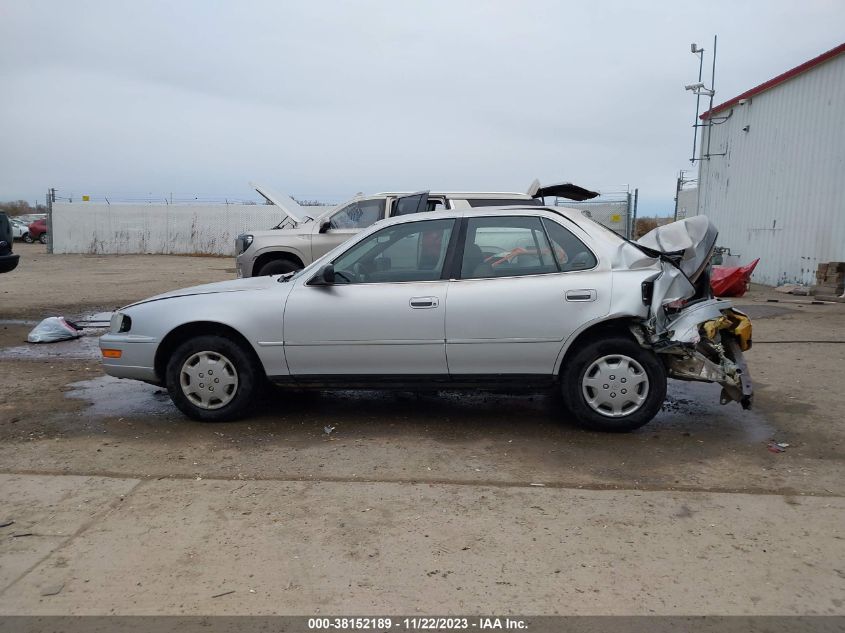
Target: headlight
<point x="120" y="323"/>
<point x="245" y="243"/>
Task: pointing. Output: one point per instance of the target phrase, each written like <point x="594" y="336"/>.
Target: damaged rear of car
<point x="697" y="336"/>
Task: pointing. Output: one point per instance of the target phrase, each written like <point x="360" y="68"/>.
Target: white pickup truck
<point x="307" y="233"/>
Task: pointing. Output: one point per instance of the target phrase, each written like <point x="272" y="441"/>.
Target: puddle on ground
<point x="113" y="397"/>
<point x="83" y="348"/>
<point x="689" y="407"/>
<point x="694" y="406"/>
<point x="764" y="310"/>
<point x="17" y="322"/>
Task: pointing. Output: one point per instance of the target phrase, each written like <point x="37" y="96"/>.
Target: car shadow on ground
<point x="446" y="416"/>
<point x="132" y="429"/>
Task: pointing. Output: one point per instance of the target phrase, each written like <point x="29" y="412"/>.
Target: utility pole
<point x="695" y="50"/>
<point x="678" y="194"/>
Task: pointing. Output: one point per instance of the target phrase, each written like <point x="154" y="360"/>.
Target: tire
<point x="279" y="267"/>
<point x="594" y="378"/>
<point x="26" y="237"/>
<point x="238" y="382"/>
<point x="42" y="238"/>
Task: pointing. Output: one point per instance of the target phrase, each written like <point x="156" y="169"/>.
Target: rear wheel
<point x="279" y="267"/>
<point x="613" y="385"/>
<point x="26" y="237"/>
<point x="212" y="379"/>
<point x="42" y="238"/>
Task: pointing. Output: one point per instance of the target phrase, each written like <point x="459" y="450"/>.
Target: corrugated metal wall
<point x="182" y="229"/>
<point x="778" y="193"/>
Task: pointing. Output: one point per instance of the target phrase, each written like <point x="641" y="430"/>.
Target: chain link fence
<point x="615" y="208"/>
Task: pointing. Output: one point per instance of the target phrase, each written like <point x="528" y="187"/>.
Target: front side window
<point x="358" y="215"/>
<point x="505" y="247"/>
<point x="414" y="251"/>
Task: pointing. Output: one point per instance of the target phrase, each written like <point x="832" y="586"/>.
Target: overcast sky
<point x="325" y="99"/>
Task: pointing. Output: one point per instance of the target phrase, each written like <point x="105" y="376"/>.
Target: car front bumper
<point x="243" y="266"/>
<point x="136" y="357"/>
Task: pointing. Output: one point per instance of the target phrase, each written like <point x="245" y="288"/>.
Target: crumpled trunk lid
<point x="688" y="243"/>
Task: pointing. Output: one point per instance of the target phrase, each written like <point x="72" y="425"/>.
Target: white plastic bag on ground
<point x="54" y="329"/>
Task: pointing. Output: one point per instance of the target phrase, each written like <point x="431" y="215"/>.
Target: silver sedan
<point x="494" y="299"/>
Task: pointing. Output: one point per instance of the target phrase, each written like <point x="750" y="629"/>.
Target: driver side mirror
<point x="325" y="226"/>
<point x="324" y="277"/>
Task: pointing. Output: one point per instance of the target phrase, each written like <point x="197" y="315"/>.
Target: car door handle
<point x="424" y="302"/>
<point x="584" y="294"/>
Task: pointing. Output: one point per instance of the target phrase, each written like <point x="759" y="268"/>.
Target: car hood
<point x="689" y="243"/>
<point x="234" y="285"/>
<point x="287" y="204"/>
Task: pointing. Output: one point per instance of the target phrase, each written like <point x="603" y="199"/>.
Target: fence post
<point x="51" y="193"/>
<point x="634" y="222"/>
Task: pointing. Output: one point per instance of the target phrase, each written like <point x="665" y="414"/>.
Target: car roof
<point x="572" y="214"/>
<point x="492" y="195"/>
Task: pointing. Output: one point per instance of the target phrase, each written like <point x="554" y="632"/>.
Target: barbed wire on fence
<point x="182" y="198"/>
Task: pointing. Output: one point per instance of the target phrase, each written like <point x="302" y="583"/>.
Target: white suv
<point x="305" y="235"/>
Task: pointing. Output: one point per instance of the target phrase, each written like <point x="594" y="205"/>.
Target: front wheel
<point x="42" y="238"/>
<point x="278" y="267"/>
<point x="613" y="385"/>
<point x="212" y="379"/>
<point x="26" y="237"/>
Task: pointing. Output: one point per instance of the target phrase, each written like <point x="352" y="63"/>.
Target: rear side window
<point x="506" y="247"/>
<point x="570" y="253"/>
<point x="503" y="202"/>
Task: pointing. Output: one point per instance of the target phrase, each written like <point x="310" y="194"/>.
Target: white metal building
<point x="772" y="171"/>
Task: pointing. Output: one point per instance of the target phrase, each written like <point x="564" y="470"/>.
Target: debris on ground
<point x="777" y="447"/>
<point x="225" y="593"/>
<point x="731" y="281"/>
<point x="53" y="329"/>
<point x="6" y="523"/>
<point x="328" y="429"/>
<point x="794" y="289"/>
<point x="53" y="590"/>
<point x="830" y="279"/>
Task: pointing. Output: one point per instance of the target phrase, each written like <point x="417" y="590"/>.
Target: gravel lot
<point x="414" y="503"/>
